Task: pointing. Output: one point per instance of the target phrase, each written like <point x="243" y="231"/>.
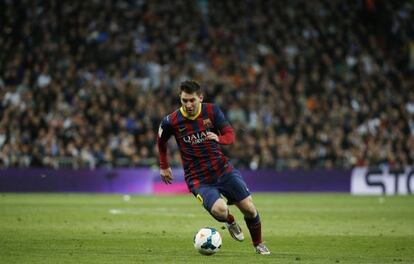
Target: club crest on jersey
<point x="195" y="138"/>
<point x="207" y="123"/>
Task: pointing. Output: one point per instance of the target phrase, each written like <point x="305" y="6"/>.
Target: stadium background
<point x="320" y="93"/>
<point x="321" y="84"/>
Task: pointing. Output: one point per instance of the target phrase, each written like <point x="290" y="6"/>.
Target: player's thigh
<point x="233" y="187"/>
<point x="207" y="196"/>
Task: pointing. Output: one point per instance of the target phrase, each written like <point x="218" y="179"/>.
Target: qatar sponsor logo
<point x="195" y="138"/>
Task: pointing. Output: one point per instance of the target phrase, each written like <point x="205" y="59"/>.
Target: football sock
<point x="230" y="218"/>
<point x="255" y="228"/>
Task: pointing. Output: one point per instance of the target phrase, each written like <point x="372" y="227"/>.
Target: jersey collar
<point x="190" y="117"/>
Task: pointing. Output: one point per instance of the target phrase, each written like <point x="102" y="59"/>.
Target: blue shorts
<point x="231" y="185"/>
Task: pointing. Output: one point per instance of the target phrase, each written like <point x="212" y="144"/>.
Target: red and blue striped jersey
<point x="202" y="159"/>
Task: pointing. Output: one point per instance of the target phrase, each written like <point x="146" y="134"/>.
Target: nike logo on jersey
<point x="181" y="129"/>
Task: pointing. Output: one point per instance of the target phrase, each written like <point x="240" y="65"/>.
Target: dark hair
<point x="190" y="87"/>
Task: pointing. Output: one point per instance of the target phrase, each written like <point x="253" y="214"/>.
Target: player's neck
<point x="191" y="117"/>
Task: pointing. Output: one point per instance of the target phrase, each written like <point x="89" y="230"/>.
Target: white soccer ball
<point x="207" y="241"/>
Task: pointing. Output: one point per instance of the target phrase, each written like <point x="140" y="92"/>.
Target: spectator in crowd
<point x="313" y="84"/>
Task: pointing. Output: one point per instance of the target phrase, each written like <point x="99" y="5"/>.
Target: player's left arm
<point x="164" y="133"/>
<point x="226" y="135"/>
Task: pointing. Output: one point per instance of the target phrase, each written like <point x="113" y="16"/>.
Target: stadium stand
<point x="306" y="84"/>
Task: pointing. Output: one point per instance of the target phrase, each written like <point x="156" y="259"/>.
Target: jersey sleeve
<point x="219" y="118"/>
<point x="165" y="129"/>
<point x="164" y="133"/>
<point x="226" y="135"/>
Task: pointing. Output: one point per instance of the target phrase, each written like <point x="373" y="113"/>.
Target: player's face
<point x="191" y="102"/>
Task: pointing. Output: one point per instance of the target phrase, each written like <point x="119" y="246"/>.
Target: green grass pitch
<point x="298" y="228"/>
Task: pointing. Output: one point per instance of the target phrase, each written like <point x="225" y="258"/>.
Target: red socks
<point x="230" y="218"/>
<point x="255" y="228"/>
<point x="253" y="224"/>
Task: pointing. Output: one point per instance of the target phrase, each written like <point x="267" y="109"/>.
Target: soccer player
<point x="199" y="130"/>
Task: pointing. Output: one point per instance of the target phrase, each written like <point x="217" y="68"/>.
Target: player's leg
<point x="212" y="201"/>
<point x="236" y="191"/>
<point x="252" y="219"/>
<point x="220" y="211"/>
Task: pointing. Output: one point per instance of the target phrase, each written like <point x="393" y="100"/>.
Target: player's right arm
<point x="226" y="135"/>
<point x="164" y="133"/>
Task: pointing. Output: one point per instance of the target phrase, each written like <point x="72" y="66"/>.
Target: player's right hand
<point x="166" y="175"/>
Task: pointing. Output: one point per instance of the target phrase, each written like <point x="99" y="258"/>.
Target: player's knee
<point x="250" y="212"/>
<point x="248" y="209"/>
<point x="219" y="209"/>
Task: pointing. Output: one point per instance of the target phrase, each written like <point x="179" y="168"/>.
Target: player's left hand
<point x="166" y="175"/>
<point x="212" y="136"/>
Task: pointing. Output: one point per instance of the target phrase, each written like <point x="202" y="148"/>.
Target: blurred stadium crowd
<point x="306" y="84"/>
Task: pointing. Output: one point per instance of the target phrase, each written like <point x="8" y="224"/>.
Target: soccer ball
<point x="207" y="241"/>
